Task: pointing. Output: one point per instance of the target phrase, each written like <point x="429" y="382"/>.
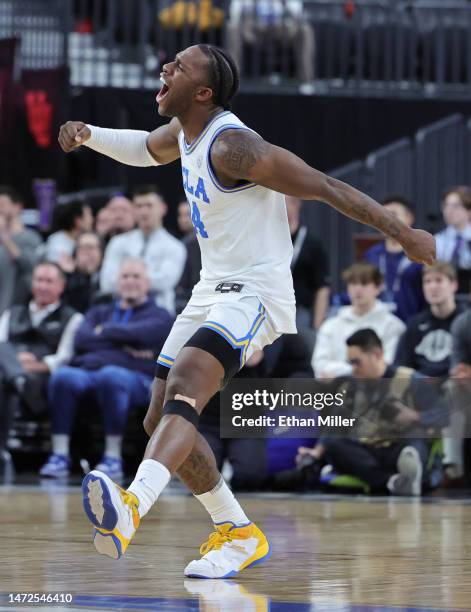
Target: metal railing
<point x="440" y="162"/>
<point x="123" y="43"/>
<point x="421" y="169"/>
<point x="399" y="47"/>
<point x="390" y="167"/>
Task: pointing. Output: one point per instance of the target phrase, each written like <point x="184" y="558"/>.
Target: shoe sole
<point x="107" y="544"/>
<point x="98" y="490"/>
<point x="265" y="556"/>
<point x="97" y="501"/>
<point x="410" y="466"/>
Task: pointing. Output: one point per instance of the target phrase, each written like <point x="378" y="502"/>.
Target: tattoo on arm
<point x="360" y="207"/>
<point x="236" y="152"/>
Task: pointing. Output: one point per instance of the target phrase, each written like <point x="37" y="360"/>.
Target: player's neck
<point x="194" y="122"/>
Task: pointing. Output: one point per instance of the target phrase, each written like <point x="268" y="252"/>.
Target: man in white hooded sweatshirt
<point x="364" y="283"/>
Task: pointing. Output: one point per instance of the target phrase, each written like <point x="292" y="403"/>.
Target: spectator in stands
<point x="83" y="282"/>
<point x="191" y="271"/>
<point x="460" y="374"/>
<point x="104" y="223"/>
<point x="17" y="250"/>
<point x="310" y="271"/>
<point x="163" y="254"/>
<point x="122" y="215"/>
<point x="454" y="242"/>
<point x="35" y="340"/>
<point x="72" y="219"/>
<point x="114" y="363"/>
<point x="427" y="342"/>
<point x="402" y="277"/>
<point x="288" y="358"/>
<point x="185" y="224"/>
<point x="275" y="23"/>
<point x="364" y="283"/>
<point x="395" y="464"/>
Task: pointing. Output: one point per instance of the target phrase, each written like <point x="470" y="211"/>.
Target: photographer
<point x="387" y="448"/>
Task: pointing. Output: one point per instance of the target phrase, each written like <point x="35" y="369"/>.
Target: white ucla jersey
<point x="243" y="232"/>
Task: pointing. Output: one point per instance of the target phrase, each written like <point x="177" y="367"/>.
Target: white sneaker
<point x="409" y="479"/>
<point x="229" y="550"/>
<point x="112" y="510"/>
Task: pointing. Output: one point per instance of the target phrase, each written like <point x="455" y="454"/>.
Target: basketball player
<point x="234" y="181"/>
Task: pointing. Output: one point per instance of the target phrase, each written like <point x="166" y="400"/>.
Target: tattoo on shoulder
<point x="237" y="152"/>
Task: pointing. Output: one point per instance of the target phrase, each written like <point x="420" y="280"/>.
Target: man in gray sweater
<point x="17" y="250"/>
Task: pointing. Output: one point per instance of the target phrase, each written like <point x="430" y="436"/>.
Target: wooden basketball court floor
<point x="329" y="553"/>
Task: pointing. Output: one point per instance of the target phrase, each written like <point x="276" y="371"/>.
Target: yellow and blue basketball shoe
<point x="113" y="512"/>
<point x="229" y="550"/>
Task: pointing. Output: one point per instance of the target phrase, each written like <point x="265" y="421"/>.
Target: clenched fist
<point x="73" y="134"/>
<point x="420" y="246"/>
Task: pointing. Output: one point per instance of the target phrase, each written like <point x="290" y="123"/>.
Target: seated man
<point x="460" y="386"/>
<point x="163" y="254"/>
<point x="394" y="462"/>
<point x="35" y="339"/>
<point x="272" y="23"/>
<point x="402" y="282"/>
<point x="113" y="362"/>
<point x="17" y="250"/>
<point x="364" y="283"/>
<point x="83" y="281"/>
<point x="116" y="217"/>
<point x="72" y="219"/>
<point x="453" y="243"/>
<point x="427" y="342"/>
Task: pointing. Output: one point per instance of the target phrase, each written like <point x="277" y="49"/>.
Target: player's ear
<point x="204" y="94"/>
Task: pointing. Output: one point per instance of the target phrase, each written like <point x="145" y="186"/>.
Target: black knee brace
<point x="183" y="409"/>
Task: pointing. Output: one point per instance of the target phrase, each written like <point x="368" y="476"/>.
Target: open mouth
<point x="163" y="92"/>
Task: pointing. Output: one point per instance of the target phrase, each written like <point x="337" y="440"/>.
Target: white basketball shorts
<point x="243" y="322"/>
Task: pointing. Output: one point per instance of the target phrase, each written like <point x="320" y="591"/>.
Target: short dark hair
<point x="399" y="199"/>
<point x="146" y="189"/>
<point x="441" y="267"/>
<point x="365" y="339"/>
<point x="10" y="192"/>
<point x="90" y="233"/>
<point x="363" y="273"/>
<point x="224" y="75"/>
<point x="51" y="264"/>
<point x="463" y="192"/>
<point x="68" y="213"/>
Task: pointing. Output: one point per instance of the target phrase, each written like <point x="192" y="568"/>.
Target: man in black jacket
<point x="35" y="339"/>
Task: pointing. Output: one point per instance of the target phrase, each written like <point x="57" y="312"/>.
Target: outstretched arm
<point x="243" y="155"/>
<point x="131" y="147"/>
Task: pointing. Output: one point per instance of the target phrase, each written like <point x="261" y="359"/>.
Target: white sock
<point x="60" y="444"/>
<point x="113" y="446"/>
<point x="151" y="479"/>
<point x="222" y="505"/>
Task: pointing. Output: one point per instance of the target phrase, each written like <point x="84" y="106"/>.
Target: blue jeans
<point x="115" y="390"/>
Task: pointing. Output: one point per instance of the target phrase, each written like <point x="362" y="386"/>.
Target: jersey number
<point x="197" y="223"/>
